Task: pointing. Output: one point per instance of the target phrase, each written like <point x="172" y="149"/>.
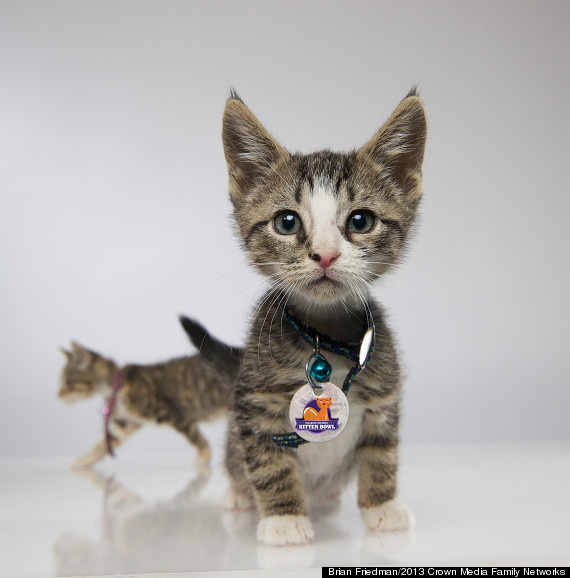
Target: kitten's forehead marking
<point x="323" y="206"/>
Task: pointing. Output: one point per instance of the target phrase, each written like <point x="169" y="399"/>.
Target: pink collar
<point x="108" y="409"/>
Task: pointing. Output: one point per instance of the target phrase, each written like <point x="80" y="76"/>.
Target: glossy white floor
<point x="502" y="505"/>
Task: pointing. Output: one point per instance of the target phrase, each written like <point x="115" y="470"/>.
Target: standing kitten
<point x="180" y="393"/>
<point x="322" y="227"/>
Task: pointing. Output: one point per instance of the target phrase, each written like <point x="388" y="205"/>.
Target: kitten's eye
<point x="360" y="222"/>
<point x="287" y="223"/>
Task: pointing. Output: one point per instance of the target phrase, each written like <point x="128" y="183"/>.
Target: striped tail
<point x="224" y="358"/>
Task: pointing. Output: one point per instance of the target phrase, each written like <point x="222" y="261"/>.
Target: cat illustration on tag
<point x="317" y="416"/>
<point x="322" y="418"/>
<point x="320" y="412"/>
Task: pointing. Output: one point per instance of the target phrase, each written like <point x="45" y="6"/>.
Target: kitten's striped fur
<point x="181" y="393"/>
<point x="323" y="273"/>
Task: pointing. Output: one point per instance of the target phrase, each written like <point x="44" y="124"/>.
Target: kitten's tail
<point x="224" y="358"/>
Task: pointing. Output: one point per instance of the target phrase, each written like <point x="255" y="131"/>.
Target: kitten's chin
<point x="325" y="292"/>
<point x="71" y="398"/>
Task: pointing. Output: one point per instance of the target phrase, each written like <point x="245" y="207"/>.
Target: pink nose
<point x="325" y="259"/>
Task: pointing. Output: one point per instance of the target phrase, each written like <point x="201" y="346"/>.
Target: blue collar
<point x="317" y="339"/>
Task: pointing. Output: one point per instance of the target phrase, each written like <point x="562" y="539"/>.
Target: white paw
<point x="285" y="530"/>
<point x="84" y="462"/>
<point x="238" y="501"/>
<point x="392" y="515"/>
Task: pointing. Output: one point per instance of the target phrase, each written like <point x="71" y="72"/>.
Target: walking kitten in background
<point x="181" y="392"/>
<point x="322" y="227"/>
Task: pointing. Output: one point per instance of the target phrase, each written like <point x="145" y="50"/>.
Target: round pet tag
<point x="319" y="418"/>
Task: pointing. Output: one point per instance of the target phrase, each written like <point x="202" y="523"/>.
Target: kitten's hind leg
<point x="240" y="509"/>
<point x="240" y="495"/>
<point x="195" y="437"/>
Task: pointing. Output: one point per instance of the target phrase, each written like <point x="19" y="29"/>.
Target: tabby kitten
<point x="322" y="227"/>
<point x="181" y="393"/>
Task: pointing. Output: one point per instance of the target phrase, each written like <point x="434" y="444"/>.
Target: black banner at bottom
<point x="442" y="571"/>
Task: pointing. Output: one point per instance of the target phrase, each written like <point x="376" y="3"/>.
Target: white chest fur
<point x="322" y="460"/>
<point x="326" y="460"/>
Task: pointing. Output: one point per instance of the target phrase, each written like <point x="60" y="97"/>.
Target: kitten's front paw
<point x="285" y="530"/>
<point x="238" y="501"/>
<point x="392" y="515"/>
<point x="84" y="462"/>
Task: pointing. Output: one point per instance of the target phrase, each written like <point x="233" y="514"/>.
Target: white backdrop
<point x="115" y="218"/>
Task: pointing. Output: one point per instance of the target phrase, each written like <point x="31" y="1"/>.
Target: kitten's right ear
<point x="66" y="353"/>
<point x="250" y="150"/>
<point x="398" y="147"/>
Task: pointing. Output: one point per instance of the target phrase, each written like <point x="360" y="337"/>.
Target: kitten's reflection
<point x="187" y="533"/>
<point x="138" y="535"/>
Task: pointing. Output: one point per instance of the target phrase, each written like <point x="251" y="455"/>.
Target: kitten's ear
<point x="66" y="353"/>
<point x="249" y="148"/>
<point x="80" y="355"/>
<point x="398" y="147"/>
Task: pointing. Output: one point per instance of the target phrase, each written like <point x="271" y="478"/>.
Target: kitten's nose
<point x="325" y="259"/>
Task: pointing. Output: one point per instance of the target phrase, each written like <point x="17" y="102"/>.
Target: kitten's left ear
<point x="398" y="147"/>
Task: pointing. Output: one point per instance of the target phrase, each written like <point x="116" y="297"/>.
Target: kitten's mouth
<point x="324" y="289"/>
<point x="325" y="281"/>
